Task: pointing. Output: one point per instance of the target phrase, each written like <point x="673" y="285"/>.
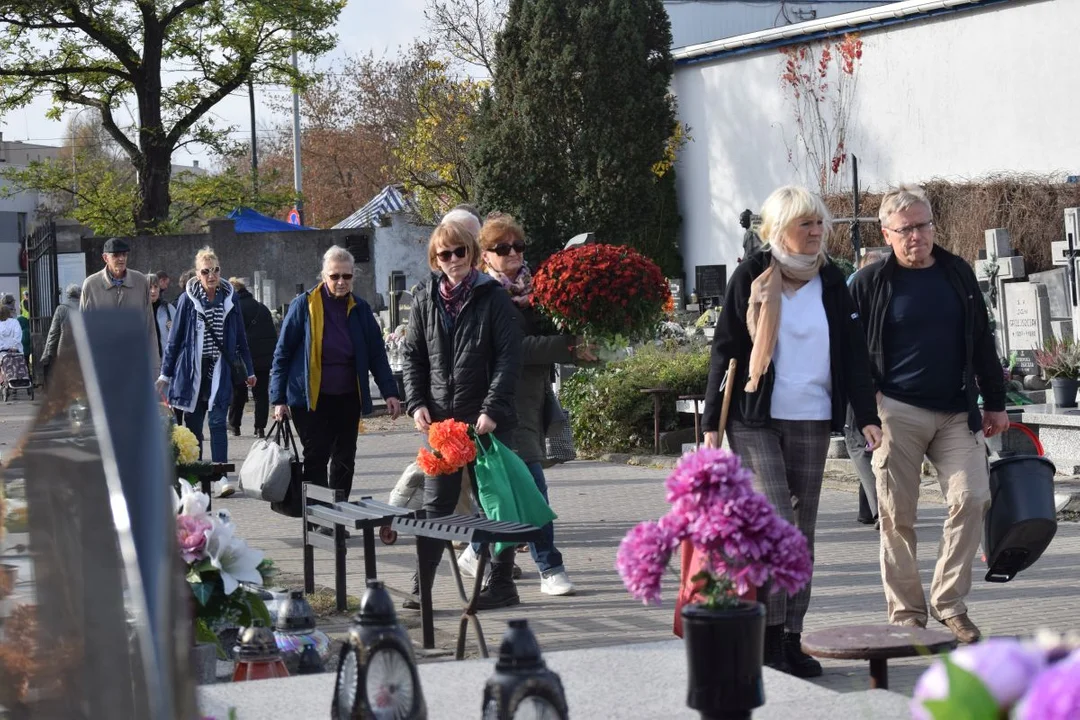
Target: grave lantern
<point x="377" y="674"/>
<point x="258" y="657"/>
<point x="522" y="685"/>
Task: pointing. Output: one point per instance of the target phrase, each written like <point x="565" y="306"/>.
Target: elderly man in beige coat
<point x="115" y="286"/>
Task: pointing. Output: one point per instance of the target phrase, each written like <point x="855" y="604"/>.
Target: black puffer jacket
<point x="475" y="371"/>
<point x="259" y="326"/>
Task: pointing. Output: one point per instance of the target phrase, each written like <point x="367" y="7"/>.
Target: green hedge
<point x="607" y="409"/>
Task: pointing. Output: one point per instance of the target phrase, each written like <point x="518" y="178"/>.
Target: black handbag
<point x="239" y="369"/>
<point x="293" y="503"/>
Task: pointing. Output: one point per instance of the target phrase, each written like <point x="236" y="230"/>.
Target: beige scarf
<point x="763" y="314"/>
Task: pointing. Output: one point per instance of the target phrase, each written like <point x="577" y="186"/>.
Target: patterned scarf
<point x="520" y="288"/>
<point x="454" y="297"/>
<point x="213" y="315"/>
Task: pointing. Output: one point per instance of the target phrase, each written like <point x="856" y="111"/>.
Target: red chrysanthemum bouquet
<point x="452" y="448"/>
<point x="611" y="294"/>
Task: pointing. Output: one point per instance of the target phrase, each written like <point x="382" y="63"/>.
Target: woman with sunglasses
<point x="206" y="340"/>
<point x="328" y="346"/>
<point x="462" y="361"/>
<point x="502" y="242"/>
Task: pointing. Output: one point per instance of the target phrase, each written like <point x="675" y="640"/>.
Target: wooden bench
<point x="461" y="529"/>
<point x="325" y="508"/>
<point x="878" y="644"/>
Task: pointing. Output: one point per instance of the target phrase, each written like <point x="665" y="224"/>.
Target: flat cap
<point x="116" y="245"/>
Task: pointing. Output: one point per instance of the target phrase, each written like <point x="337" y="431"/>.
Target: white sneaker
<point x="557" y="584"/>
<point x="226" y="488"/>
<point x="466" y="562"/>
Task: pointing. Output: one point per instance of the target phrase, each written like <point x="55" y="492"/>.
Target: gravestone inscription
<point x="1027" y="313"/>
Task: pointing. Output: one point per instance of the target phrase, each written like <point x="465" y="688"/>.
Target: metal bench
<point x="323" y="508"/>
<point x="878" y="644"/>
<point x="460" y="529"/>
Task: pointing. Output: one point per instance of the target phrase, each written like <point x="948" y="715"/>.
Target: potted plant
<point x="745" y="544"/>
<point x="1059" y="361"/>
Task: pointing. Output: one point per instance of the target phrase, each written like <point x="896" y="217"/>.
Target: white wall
<point x="401" y="246"/>
<point x="958" y="97"/>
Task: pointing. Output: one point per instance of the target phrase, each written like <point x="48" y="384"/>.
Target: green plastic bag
<point x="507" y="490"/>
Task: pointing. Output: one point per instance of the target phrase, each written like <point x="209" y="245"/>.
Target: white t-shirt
<point x="802" y="388"/>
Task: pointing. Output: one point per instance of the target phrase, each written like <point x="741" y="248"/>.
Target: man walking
<point x="115" y="286"/>
<point x="262" y="338"/>
<point x="933" y="354"/>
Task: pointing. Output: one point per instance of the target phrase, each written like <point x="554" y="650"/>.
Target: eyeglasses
<point x="909" y="230"/>
<point x="459" y="251"/>
<point x="503" y="249"/>
<point x="205" y="272"/>
<point x="347" y="277"/>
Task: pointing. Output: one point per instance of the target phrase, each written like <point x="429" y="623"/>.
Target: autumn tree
<point x="465" y="30"/>
<point x="177" y="59"/>
<point x="578" y="117"/>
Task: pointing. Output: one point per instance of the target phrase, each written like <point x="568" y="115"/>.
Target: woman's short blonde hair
<point x="901" y="199"/>
<point x="786" y="205"/>
<point x="451" y="235"/>
<point x="206" y="253"/>
<point x="499" y="227"/>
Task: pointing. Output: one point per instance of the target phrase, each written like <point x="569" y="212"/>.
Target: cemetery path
<point x="597" y="503"/>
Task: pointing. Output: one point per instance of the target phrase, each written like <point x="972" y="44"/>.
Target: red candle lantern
<point x="258" y="657"/>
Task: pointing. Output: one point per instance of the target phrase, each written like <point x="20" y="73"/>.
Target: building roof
<point x="822" y="28"/>
<point x="391" y="199"/>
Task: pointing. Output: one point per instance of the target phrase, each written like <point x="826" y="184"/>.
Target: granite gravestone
<point x="1058" y="292"/>
<point x="711" y="283"/>
<point x="1027" y="313"/>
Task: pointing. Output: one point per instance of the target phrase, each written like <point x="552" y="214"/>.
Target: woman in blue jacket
<point x="206" y="342"/>
<point x="329" y="343"/>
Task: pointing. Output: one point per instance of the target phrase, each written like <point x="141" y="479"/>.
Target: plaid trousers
<point x="787" y="458"/>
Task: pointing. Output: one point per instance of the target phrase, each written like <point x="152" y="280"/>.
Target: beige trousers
<point x="959" y="456"/>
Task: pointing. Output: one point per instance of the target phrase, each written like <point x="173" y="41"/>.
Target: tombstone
<point x="710" y="283"/>
<point x="1065" y="253"/>
<point x="1056" y="282"/>
<point x="1001" y="266"/>
<point x="99" y="599"/>
<point x="1027" y="313"/>
<point x="675" y="285"/>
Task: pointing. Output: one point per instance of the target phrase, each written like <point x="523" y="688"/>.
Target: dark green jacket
<point x="540" y="352"/>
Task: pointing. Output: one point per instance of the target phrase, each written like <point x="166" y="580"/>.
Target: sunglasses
<point x="347" y="277"/>
<point x="459" y="251"/>
<point x="210" y="271"/>
<point x="503" y="249"/>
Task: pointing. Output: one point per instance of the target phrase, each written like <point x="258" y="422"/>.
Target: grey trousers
<point x="788" y="461"/>
<point x="856" y="448"/>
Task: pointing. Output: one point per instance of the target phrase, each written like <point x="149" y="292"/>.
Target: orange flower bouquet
<point x="452" y="448"/>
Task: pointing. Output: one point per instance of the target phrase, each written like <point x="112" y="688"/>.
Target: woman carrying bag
<point x="462" y="361"/>
<point x="800" y="354"/>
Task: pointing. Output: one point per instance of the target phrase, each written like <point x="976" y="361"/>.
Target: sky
<point x="364" y="25"/>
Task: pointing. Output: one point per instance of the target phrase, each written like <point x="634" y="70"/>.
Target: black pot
<point x="1022" y="518"/>
<point x="1064" y="391"/>
<point x="724" y="653"/>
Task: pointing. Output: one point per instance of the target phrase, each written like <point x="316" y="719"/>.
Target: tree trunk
<point x="155" y="165"/>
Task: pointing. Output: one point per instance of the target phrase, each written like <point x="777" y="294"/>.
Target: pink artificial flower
<point x="191" y="533"/>
<point x="642" y="559"/>
<point x="791" y="564"/>
<point x="708" y="471"/>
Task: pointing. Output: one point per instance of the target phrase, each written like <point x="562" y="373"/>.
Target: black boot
<point x="235" y="430"/>
<point x="500" y="591"/>
<point x="260" y="433"/>
<point x="774" y="648"/>
<point x="801" y="665"/>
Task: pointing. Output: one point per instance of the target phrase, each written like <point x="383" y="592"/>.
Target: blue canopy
<point x="249" y="221"/>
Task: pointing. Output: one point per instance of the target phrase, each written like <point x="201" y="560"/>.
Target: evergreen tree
<point x="577" y="122"/>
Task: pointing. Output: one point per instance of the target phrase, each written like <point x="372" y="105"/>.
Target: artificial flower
<point x="232" y="558"/>
<point x="433" y="463"/>
<point x="642" y="559"/>
<point x="1055" y="693"/>
<point x="191" y="534"/>
<point x="450" y="439"/>
<point x="190" y="501"/>
<point x="185" y="445"/>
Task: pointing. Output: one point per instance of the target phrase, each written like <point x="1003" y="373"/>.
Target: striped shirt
<point x="213" y="321"/>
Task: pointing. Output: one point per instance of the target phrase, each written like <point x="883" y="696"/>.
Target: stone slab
<point x="1027" y="321"/>
<point x="1057" y="291"/>
<point x="599" y="683"/>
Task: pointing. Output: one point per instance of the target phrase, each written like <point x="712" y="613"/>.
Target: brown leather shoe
<point x="911" y="622"/>
<point x="962" y="627"/>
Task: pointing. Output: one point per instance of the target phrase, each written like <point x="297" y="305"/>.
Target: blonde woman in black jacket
<point x="791" y="326"/>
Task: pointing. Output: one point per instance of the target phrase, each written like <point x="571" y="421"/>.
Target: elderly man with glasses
<point x="328" y="346"/>
<point x="933" y="354"/>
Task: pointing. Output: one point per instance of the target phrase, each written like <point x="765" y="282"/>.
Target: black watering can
<point x="1022" y="518"/>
